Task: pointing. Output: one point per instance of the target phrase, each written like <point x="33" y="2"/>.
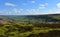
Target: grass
<point x="23" y="33"/>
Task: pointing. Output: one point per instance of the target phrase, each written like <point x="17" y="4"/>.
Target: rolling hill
<point x="32" y="18"/>
<point x="30" y="25"/>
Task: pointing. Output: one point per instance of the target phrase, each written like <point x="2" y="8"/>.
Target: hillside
<point x="30" y="25"/>
<point x="40" y="18"/>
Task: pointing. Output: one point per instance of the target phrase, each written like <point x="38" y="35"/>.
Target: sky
<point x="29" y="7"/>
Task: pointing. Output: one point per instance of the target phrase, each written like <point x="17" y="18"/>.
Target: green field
<point x="30" y="26"/>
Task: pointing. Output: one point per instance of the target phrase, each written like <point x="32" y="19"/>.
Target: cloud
<point x="46" y="3"/>
<point x="10" y="4"/>
<point x="57" y="11"/>
<point x="42" y="6"/>
<point x="33" y="11"/>
<point x="16" y="11"/>
<point x="32" y="1"/>
<point x="54" y="11"/>
<point x="4" y="12"/>
<point x="58" y="5"/>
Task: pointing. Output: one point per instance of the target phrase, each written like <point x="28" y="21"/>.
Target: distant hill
<point x="31" y="18"/>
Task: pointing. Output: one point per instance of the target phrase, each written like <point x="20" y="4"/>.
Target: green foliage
<point x="20" y="30"/>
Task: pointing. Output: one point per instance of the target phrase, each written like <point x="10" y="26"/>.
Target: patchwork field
<point x="30" y="26"/>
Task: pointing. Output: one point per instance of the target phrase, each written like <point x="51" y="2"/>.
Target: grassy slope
<point x="19" y="29"/>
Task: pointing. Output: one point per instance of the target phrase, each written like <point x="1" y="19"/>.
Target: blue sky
<point x="29" y="7"/>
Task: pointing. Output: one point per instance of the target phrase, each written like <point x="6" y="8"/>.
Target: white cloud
<point x="42" y="6"/>
<point x="46" y="3"/>
<point x="16" y="11"/>
<point x="32" y="1"/>
<point x="4" y="12"/>
<point x="58" y="5"/>
<point x="10" y="4"/>
<point x="33" y="11"/>
<point x="54" y="11"/>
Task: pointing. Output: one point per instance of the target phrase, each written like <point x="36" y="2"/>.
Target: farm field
<point x="30" y="26"/>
